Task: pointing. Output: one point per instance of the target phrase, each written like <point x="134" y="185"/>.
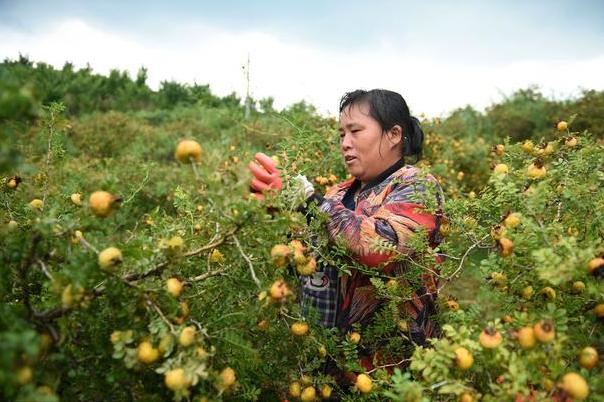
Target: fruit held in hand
<point x="188" y="150"/>
<point x="101" y="203"/>
<point x="110" y="258"/>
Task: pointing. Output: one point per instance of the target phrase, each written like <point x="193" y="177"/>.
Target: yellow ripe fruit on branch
<point x="295" y="389"/>
<point x="216" y="257"/>
<point x="174" y="287"/>
<point x="528" y="146"/>
<point x="308" y="268"/>
<point x="506" y="246"/>
<point x="489" y="338"/>
<point x="322" y="351"/>
<point x="364" y="383"/>
<point x="578" y="286"/>
<point x="512" y="220"/>
<point x="36" y="203"/>
<point x="299" y="328"/>
<point x="354" y="337"/>
<point x="110" y="258"/>
<point x="599" y="310"/>
<point x="309" y="394"/>
<point x="13" y="182"/>
<point x="588" y="358"/>
<point x="562" y="125"/>
<point x="146" y="353"/>
<point x="24" y="375"/>
<point x="499" y="149"/>
<point x="501" y="169"/>
<point x="76" y="198"/>
<point x="452" y="305"/>
<point x="526" y="337"/>
<point x="548" y="293"/>
<point x="176" y="379"/>
<point x="326" y="391"/>
<point x="188" y="150"/>
<point x="187" y="336"/>
<point x="227" y="377"/>
<point x="101" y="203"/>
<point x="545" y="331"/>
<point x="279" y="254"/>
<point x="175" y="244"/>
<point x="279" y="290"/>
<point x="575" y="386"/>
<point x="536" y="170"/>
<point x="571" y="142"/>
<point x="466" y="397"/>
<point x="527" y="292"/>
<point x="596" y="266"/>
<point x="463" y="358"/>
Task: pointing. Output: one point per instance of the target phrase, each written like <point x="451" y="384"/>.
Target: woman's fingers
<point x="260" y="186"/>
<point x="259" y="172"/>
<point x="267" y="163"/>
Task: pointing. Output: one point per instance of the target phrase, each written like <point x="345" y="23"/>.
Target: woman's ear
<point x="395" y="135"/>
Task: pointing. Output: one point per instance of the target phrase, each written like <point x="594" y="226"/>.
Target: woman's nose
<point x="345" y="142"/>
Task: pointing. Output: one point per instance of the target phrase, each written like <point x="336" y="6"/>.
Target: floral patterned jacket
<point x="386" y="208"/>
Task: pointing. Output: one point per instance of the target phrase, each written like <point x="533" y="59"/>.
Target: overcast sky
<point x="440" y="55"/>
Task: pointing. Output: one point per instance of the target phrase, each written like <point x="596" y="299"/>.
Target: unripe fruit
<point x="24" y="375"/>
<point x="279" y="290"/>
<point x="146" y="353"/>
<point x="575" y="386"/>
<point x="188" y="150"/>
<point x="309" y="394"/>
<point x="512" y="220"/>
<point x="102" y="202"/>
<point x="526" y="337"/>
<point x="306" y="379"/>
<point x="308" y="268"/>
<point x="354" y="337"/>
<point x="299" y="328"/>
<point x="110" y="258"/>
<point x="595" y="266"/>
<point x="463" y="358"/>
<point x="364" y="383"/>
<point x="490" y="338"/>
<point x="174" y="287"/>
<point x="187" y="336"/>
<point x="562" y="125"/>
<point x="115" y="337"/>
<point x="402" y="325"/>
<point x="501" y="169"/>
<point x="176" y="379"/>
<point x="279" y="255"/>
<point x="544" y="331"/>
<point x="536" y="170"/>
<point x="227" y="377"/>
<point x="588" y="358"/>
<point x="36" y="204"/>
<point x="165" y="343"/>
<point x="326" y="391"/>
<point x="295" y="389"/>
<point x="76" y="198"/>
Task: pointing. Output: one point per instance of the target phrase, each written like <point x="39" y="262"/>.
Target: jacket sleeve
<point x="395" y="220"/>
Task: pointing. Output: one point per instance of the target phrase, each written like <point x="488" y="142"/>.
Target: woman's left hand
<point x="266" y="176"/>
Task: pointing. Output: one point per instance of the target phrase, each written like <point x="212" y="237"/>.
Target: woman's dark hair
<point x="389" y="109"/>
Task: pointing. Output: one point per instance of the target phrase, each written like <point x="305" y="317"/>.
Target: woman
<point x="380" y="201"/>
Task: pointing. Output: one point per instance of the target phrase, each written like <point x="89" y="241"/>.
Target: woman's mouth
<point x="349" y="159"/>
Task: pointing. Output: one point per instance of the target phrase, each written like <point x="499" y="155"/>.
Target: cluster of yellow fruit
<point x="306" y="392"/>
<point x="305" y="265"/>
<point x="326" y="181"/>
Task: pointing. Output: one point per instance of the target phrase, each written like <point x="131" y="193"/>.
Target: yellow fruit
<point x="36" y="204"/>
<point x="571" y="142"/>
<point x="526" y="337"/>
<point x="354" y="337"/>
<point x="489" y="338"/>
<point x="463" y="358"/>
<point x="452" y="305"/>
<point x="575" y="386"/>
<point x="295" y="389"/>
<point x="299" y="257"/>
<point x="102" y="202"/>
<point x="588" y="358"/>
<point x="595" y="266"/>
<point x="544" y="331"/>
<point x="536" y="171"/>
<point x="506" y="246"/>
<point x="174" y="287"/>
<point x="402" y="325"/>
<point x="460" y="175"/>
<point x="578" y="287"/>
<point x="512" y="220"/>
<point x="175" y="244"/>
<point x="308" y="394"/>
<point x="527" y="292"/>
<point x="364" y="383"/>
<point x="201" y="353"/>
<point x="527" y="146"/>
<point x="299" y="328"/>
<point x="110" y="258"/>
<point x="498" y="231"/>
<point x="322" y="351"/>
<point x="499" y="149"/>
<point x="165" y="343"/>
<point x="279" y="290"/>
<point x="12" y="225"/>
<point x="306" y="379"/>
<point x="308" y="268"/>
<point x="146" y="353"/>
<point x="548" y="293"/>
<point x="76" y="198"/>
<point x="501" y="169"/>
<point x="217" y="257"/>
<point x="176" y="379"/>
<point x="13" y="182"/>
<point x="599" y="310"/>
<point x="188" y="150"/>
<point x="115" y="337"/>
<point x="262" y="325"/>
<point x="472" y="194"/>
<point x="24" y="375"/>
<point x="507" y="319"/>
<point x="279" y="254"/>
<point x="187" y="336"/>
<point x="227" y="377"/>
<point x="562" y="125"/>
<point x="466" y="397"/>
<point x="326" y="391"/>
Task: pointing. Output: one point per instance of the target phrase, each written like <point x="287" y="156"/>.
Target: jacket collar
<point x="356" y="184"/>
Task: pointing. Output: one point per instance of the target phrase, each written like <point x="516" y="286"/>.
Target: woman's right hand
<point x="266" y="176"/>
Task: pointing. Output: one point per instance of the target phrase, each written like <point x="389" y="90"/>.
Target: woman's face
<point x="365" y="151"/>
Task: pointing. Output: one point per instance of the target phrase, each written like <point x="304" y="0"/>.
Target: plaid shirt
<point x="384" y="208"/>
